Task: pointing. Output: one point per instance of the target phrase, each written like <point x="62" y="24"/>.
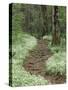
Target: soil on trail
<point x="35" y="62"/>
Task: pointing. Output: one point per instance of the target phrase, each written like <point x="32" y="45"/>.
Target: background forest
<point x="38" y="54"/>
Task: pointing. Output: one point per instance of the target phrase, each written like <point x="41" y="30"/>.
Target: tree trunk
<point x="44" y="17"/>
<point x="28" y="19"/>
<point x="55" y="26"/>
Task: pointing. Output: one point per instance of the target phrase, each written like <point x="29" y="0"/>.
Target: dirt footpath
<point x="35" y="62"/>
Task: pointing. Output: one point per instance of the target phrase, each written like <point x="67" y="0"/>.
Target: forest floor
<point x="36" y="60"/>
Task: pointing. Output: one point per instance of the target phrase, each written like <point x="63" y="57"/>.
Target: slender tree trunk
<point x="44" y="16"/>
<point x="55" y="26"/>
<point x="28" y="19"/>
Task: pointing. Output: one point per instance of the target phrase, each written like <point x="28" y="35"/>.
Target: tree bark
<point x="44" y="17"/>
<point x="55" y="26"/>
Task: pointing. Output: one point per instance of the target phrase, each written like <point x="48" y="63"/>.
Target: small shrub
<point x="55" y="49"/>
<point x="49" y="37"/>
<point x="56" y="64"/>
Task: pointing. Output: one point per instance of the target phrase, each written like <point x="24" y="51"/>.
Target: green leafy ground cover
<point x="56" y="64"/>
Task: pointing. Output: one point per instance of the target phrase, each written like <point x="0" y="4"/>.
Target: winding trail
<point x="35" y="62"/>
